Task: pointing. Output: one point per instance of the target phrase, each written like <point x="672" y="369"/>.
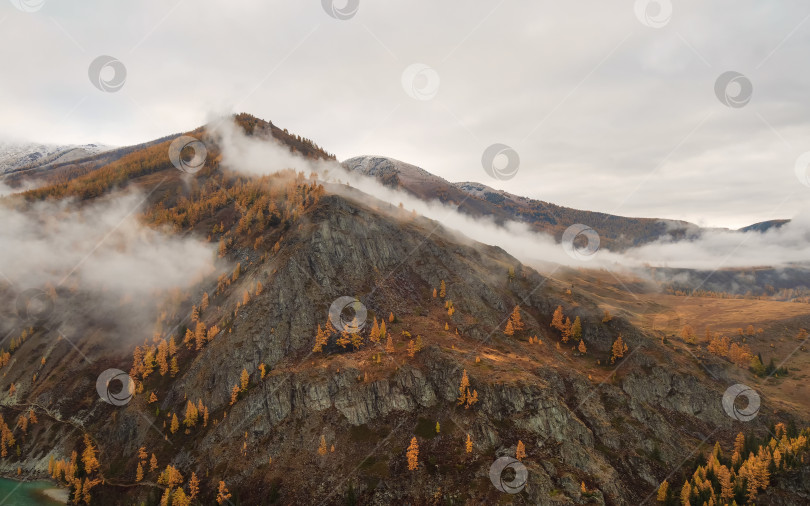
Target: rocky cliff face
<point x="619" y="429"/>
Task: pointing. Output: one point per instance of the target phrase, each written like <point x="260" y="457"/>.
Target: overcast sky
<point x="608" y="108"/>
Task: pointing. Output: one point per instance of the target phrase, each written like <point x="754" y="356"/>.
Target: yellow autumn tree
<point x="469" y="445"/>
<point x="618" y="349"/>
<point x="413" y="455"/>
<point x="222" y="493"/>
<point x="520" y="451"/>
<point x="517" y="321"/>
<point x="582" y="348"/>
<point x="175" y="424"/>
<point x="322" y="447"/>
<point x="244" y="380"/>
<point x="509" y="330"/>
<point x="442" y="290"/>
<point x="89" y="459"/>
<point x="557" y="318"/>
<point x="321" y="339"/>
<point x="193" y="487"/>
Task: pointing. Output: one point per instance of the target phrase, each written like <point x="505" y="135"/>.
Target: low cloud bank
<point x="100" y="247"/>
<point x="713" y="249"/>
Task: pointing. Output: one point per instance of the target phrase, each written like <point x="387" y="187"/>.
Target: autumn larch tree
<point x="152" y="398"/>
<point x="434" y="293"/>
<point x="374" y="334"/>
<point x="244" y="380"/>
<point x="89" y="459"/>
<point x="193" y="487"/>
<point x="566" y="330"/>
<point x="582" y="348"/>
<point x="442" y="290"/>
<point x="576" y="329"/>
<point x="320" y="340"/>
<point x="688" y="334"/>
<point x="468" y="445"/>
<point x="557" y="319"/>
<point x="322" y="447"/>
<point x="344" y="339"/>
<point x="413" y="455"/>
<point x="411" y="349"/>
<point x="139" y="472"/>
<point x="520" y="451"/>
<point x="222" y="493"/>
<point x="463" y="388"/>
<point x="517" y="321"/>
<point x="175" y="424"/>
<point x="509" y="330"/>
<point x="153" y="463"/>
<point x="234" y="394"/>
<point x="438" y="427"/>
<point x="389" y="345"/>
<point x="188" y="340"/>
<point x="618" y="349"/>
<point x="200" y="335"/>
<point x="391" y="317"/>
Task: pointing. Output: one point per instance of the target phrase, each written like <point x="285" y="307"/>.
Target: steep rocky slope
<point x="595" y="431"/>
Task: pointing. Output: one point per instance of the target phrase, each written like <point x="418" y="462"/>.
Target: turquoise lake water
<point x="25" y="494"/>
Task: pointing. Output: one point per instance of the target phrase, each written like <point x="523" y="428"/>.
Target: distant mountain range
<point x="476" y="199"/>
<point x="28" y="155"/>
